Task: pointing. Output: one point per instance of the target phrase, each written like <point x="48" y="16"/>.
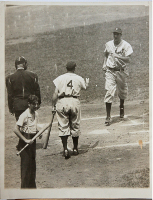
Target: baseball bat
<point x="36" y="136"/>
<point x="48" y="133"/>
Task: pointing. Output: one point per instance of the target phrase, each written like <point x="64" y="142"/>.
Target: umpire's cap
<point x="20" y="60"/>
<point x="117" y="30"/>
<point x="70" y="66"/>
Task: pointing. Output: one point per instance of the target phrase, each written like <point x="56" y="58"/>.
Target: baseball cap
<point x="117" y="30"/>
<point x="20" y="60"/>
<point x="70" y="65"/>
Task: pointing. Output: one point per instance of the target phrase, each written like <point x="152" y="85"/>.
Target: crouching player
<point x="25" y="129"/>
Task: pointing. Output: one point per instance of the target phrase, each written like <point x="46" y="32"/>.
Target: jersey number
<point x="70" y="84"/>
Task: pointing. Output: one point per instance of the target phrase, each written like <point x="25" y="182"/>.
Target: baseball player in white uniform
<point x="117" y="55"/>
<point x="65" y="98"/>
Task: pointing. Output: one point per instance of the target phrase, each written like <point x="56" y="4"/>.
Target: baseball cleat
<point x="121" y="112"/>
<point x="108" y="121"/>
<point x="75" y="152"/>
<point x="66" y="154"/>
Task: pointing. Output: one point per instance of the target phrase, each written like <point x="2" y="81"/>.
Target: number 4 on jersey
<point x="70" y="84"/>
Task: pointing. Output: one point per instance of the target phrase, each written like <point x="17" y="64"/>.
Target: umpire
<point x="19" y="86"/>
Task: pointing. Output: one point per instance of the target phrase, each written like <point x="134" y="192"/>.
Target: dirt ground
<point x="109" y="156"/>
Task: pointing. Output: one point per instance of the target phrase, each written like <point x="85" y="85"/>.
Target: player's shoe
<point x="75" y="152"/>
<point x="66" y="154"/>
<point x="108" y="121"/>
<point x="121" y="112"/>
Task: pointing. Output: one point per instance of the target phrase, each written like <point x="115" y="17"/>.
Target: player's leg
<point x="121" y="108"/>
<point x="110" y="86"/>
<point x="32" y="170"/>
<point x="75" y="145"/>
<point x="62" y="113"/>
<point x="122" y="89"/>
<point x="25" y="166"/>
<point x="64" y="142"/>
<point x="75" y="117"/>
<point x="28" y="164"/>
<point x="108" y="110"/>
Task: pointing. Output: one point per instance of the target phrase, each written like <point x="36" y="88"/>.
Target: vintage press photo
<point x="114" y="159"/>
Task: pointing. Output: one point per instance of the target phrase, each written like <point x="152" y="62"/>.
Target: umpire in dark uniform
<point x="19" y="86"/>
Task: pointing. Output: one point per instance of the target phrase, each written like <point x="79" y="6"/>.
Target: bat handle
<point x="18" y="153"/>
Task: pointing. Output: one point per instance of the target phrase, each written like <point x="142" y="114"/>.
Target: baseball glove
<point x="120" y="63"/>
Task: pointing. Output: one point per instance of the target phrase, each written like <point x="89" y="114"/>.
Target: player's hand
<point x="116" y="55"/>
<point x="104" y="68"/>
<point x="40" y="136"/>
<point x="87" y="80"/>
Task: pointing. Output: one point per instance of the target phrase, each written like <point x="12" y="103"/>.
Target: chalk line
<point x="121" y="145"/>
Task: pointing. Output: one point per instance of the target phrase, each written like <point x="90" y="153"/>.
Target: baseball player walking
<point x="117" y="55"/>
<point x="65" y="98"/>
<point x="20" y="85"/>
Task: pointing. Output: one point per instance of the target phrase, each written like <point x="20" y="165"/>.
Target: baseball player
<point x="117" y="55"/>
<point x="26" y="129"/>
<point x="66" y="100"/>
<point x="20" y="85"/>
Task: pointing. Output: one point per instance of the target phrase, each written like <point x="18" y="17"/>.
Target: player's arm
<point x="106" y="53"/>
<point x="10" y="94"/>
<point x="104" y="64"/>
<point x="54" y="98"/>
<point x="19" y="134"/>
<point x="37" y="88"/>
<point x="84" y="83"/>
<point x="125" y="59"/>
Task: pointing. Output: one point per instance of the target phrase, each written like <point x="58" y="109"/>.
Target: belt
<point x="27" y="135"/>
<point x="67" y="97"/>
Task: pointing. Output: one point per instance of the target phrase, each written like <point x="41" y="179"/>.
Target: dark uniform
<point x="19" y="86"/>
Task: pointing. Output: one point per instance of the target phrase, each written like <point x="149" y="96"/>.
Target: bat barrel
<point x="48" y="134"/>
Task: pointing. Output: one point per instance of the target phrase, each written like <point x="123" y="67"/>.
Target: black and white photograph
<point x="76" y="98"/>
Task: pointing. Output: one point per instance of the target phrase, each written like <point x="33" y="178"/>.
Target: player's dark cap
<point x="70" y="65"/>
<point x="20" y="60"/>
<point x="117" y="30"/>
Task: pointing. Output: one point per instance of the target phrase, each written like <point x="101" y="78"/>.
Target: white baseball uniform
<point x="68" y="112"/>
<point x="116" y="79"/>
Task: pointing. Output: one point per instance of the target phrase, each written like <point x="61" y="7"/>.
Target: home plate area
<point x="121" y="133"/>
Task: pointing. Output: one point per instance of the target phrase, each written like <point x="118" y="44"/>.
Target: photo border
<point x="69" y="192"/>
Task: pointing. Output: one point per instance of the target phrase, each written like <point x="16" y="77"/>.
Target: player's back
<point x="69" y="84"/>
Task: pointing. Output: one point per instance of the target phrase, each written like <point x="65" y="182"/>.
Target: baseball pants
<point x="28" y="163"/>
<point x="115" y="81"/>
<point x="68" y="115"/>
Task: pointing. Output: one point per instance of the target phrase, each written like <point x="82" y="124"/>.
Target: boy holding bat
<point x="26" y="129"/>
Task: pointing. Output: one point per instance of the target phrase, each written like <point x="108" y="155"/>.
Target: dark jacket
<point x="19" y="86"/>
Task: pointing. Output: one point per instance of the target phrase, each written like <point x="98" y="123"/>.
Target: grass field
<point x="47" y="54"/>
